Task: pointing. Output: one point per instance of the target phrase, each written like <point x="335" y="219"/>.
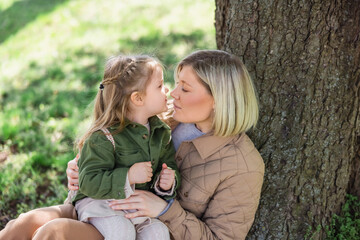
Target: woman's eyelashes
<point x="177" y="84"/>
<point x="184" y="90"/>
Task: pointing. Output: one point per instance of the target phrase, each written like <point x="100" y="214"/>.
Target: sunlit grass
<point x="52" y="55"/>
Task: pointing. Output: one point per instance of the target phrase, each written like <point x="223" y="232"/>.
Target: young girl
<point x="125" y="145"/>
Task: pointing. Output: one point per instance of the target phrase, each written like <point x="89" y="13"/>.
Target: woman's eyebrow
<point x="184" y="82"/>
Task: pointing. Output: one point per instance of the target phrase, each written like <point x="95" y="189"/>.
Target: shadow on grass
<point x="24" y="12"/>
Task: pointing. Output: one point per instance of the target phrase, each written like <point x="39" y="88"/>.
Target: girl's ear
<point x="137" y="99"/>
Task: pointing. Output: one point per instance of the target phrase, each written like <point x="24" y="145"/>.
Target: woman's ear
<point x="137" y="99"/>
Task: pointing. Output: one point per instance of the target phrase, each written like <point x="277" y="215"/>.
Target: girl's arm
<point x="98" y="177"/>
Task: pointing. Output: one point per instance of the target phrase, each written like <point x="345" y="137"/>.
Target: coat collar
<point x="154" y="122"/>
<point x="209" y="144"/>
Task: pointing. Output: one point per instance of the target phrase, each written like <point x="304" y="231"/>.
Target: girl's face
<point x="192" y="101"/>
<point x="155" y="98"/>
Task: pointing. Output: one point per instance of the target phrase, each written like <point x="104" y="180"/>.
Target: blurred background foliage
<point x="52" y="56"/>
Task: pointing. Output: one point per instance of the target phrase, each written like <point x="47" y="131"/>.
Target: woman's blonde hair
<point x="227" y="80"/>
<point x="123" y="75"/>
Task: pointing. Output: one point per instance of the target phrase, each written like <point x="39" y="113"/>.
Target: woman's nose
<point x="166" y="90"/>
<point x="173" y="94"/>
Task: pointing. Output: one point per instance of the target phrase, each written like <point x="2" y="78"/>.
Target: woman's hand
<point x="72" y="172"/>
<point x="140" y="172"/>
<point x="146" y="203"/>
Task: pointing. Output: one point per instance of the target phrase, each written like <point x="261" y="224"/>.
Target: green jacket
<point x="103" y="170"/>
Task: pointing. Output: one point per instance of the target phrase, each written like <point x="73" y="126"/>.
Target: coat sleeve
<point x="98" y="177"/>
<point x="229" y="215"/>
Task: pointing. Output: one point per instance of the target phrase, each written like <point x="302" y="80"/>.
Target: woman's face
<point x="192" y="101"/>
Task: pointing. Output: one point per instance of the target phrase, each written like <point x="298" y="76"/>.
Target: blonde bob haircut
<point x="227" y="80"/>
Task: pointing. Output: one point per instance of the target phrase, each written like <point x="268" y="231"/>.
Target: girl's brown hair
<point x="123" y="75"/>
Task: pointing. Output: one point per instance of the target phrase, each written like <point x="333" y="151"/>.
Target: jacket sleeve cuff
<point x="128" y="189"/>
<point x="174" y="216"/>
<point x="161" y="192"/>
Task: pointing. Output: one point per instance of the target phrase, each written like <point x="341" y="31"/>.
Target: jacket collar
<point x="154" y="122"/>
<point x="209" y="144"/>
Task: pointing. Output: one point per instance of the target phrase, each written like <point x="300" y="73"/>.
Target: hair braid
<point x="122" y="76"/>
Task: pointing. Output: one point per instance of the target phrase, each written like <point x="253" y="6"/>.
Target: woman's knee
<point x="51" y="230"/>
<point x="65" y="228"/>
<point x="23" y="227"/>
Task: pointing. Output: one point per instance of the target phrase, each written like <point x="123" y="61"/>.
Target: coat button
<point x="144" y="136"/>
<point x="186" y="194"/>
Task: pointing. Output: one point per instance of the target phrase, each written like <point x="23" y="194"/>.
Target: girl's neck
<point x="138" y="118"/>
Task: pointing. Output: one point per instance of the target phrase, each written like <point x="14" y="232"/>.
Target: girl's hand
<point x="146" y="203"/>
<point x="72" y="172"/>
<point x="167" y="178"/>
<point x="140" y="173"/>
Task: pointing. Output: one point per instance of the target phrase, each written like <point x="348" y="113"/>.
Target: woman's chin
<point x="177" y="117"/>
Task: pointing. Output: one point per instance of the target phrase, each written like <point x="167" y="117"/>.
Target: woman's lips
<point x="176" y="107"/>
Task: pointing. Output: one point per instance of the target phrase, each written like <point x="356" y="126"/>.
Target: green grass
<point x="346" y="225"/>
<point x="52" y="55"/>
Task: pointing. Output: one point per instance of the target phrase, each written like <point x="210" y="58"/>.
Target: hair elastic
<point x="101" y="87"/>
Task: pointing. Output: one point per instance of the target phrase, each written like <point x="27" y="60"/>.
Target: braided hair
<point x="123" y="75"/>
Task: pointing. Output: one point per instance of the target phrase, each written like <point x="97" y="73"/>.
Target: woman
<point x="221" y="170"/>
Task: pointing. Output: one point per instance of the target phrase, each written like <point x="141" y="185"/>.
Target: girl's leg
<point x="114" y="227"/>
<point x="26" y="224"/>
<point x="154" y="230"/>
<point x="64" y="229"/>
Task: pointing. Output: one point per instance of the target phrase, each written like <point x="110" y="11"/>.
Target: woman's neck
<point x="204" y="127"/>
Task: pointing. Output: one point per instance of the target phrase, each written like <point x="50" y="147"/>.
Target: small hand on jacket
<point x="140" y="172"/>
<point x="167" y="178"/>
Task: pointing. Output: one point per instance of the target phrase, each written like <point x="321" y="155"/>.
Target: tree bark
<point x="304" y="58"/>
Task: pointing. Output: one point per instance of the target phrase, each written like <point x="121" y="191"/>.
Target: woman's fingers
<point x="73" y="187"/>
<point x="147" y="204"/>
<point x="72" y="174"/>
<point x="73" y="164"/>
<point x="73" y="183"/>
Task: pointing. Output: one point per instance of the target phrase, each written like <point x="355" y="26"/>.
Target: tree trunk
<point x="304" y="58"/>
